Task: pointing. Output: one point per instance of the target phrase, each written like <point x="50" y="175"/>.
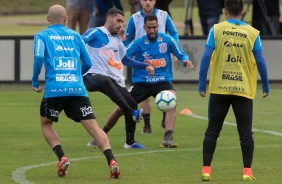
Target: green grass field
<point x="26" y="158"/>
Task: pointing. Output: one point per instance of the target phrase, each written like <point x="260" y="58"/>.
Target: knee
<point x="106" y="80"/>
<point x="45" y="122"/>
<point x="246" y="139"/>
<point x="210" y="138"/>
<point x="119" y="111"/>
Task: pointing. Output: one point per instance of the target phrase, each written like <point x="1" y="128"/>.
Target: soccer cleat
<point x="114" y="170"/>
<point x="206" y="173"/>
<point x="133" y="146"/>
<point x="63" y="165"/>
<point x="247" y="174"/>
<point x="92" y="143"/>
<point x="168" y="144"/>
<point x="137" y="115"/>
<point x="146" y="130"/>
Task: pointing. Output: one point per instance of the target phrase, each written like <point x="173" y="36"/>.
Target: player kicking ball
<point x="154" y="48"/>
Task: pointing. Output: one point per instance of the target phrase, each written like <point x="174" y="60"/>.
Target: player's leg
<point x="218" y="109"/>
<point x="163" y="120"/>
<point x="118" y="112"/>
<point x="169" y="127"/>
<point x="111" y="122"/>
<point x="169" y="116"/>
<point x="97" y="133"/>
<point x="243" y="110"/>
<point x="53" y="140"/>
<point x="146" y="106"/>
<point x="79" y="109"/>
<point x="110" y="88"/>
<point x="49" y="133"/>
<point x="105" y="85"/>
<point x="116" y="93"/>
<point x="141" y="94"/>
<point x="49" y="111"/>
<point x="130" y="128"/>
<point x="122" y="98"/>
<point x="137" y="93"/>
<point x="113" y="119"/>
<point x="102" y="141"/>
<point x="130" y="123"/>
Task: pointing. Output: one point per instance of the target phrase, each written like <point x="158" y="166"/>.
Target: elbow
<point x="38" y="57"/>
<point x="88" y="66"/>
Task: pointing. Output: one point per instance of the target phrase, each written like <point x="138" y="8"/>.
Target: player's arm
<point x="137" y="64"/>
<point x="130" y="52"/>
<point x="129" y="31"/>
<point x="170" y="28"/>
<point x="179" y="53"/>
<point x="85" y="58"/>
<point x="205" y="63"/>
<point x="261" y="65"/>
<point x="204" y="66"/>
<point x="131" y="49"/>
<point x="133" y="63"/>
<point x="89" y="35"/>
<point x="39" y="49"/>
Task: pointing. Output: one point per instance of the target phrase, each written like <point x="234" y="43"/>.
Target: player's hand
<point x="150" y="70"/>
<point x="202" y="94"/>
<point x="38" y="90"/>
<point x="188" y="64"/>
<point x="264" y="95"/>
<point x="121" y="34"/>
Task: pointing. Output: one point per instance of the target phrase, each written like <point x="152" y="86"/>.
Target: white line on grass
<point x="18" y="175"/>
<point x="233" y="124"/>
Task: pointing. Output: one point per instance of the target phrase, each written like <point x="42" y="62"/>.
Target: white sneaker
<point x="92" y="143"/>
<point x="133" y="146"/>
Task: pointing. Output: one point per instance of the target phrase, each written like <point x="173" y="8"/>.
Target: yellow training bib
<point x="233" y="66"/>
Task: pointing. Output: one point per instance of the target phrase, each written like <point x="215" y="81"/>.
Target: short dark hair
<point x="114" y="12"/>
<point x="150" y="18"/>
<point x="234" y="7"/>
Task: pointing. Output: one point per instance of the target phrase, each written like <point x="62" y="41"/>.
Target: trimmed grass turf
<point x="22" y="143"/>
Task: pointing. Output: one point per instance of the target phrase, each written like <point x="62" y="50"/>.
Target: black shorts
<point x="76" y="108"/>
<point x="141" y="91"/>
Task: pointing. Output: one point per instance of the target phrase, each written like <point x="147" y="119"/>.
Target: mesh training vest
<point x="233" y="66"/>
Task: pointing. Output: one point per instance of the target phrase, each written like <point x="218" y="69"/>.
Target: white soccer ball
<point x="165" y="101"/>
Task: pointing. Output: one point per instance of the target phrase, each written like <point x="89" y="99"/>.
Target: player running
<point x="65" y="59"/>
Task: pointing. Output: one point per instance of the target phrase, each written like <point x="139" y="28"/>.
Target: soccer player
<point x="108" y="54"/>
<point x="65" y="58"/>
<point x="134" y="29"/>
<point x="234" y="51"/>
<point x="154" y="48"/>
